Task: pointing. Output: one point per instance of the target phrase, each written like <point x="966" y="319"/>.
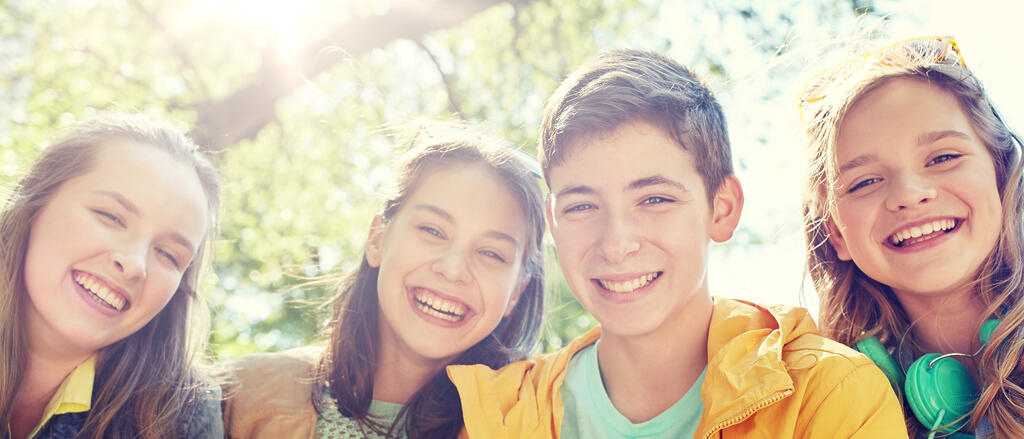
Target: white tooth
<point x="905" y="234"/>
<point x="894" y="239"/>
<point x="915" y="232"/>
<point x="635" y="284"/>
<point x="950" y="224"/>
<point x="926" y="229"/>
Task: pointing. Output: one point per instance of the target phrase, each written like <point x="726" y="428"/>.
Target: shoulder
<point x="270" y="394"/>
<point x="204" y="420"/>
<point x="522" y="399"/>
<point x="537" y="371"/>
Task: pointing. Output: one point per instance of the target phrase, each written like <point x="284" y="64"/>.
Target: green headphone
<point x="938" y="388"/>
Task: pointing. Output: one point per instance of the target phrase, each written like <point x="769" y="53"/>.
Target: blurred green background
<point x="296" y="100"/>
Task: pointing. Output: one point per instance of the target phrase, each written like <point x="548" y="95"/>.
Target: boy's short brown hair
<point x="619" y="87"/>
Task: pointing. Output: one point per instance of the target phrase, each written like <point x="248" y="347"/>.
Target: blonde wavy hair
<point x="146" y="384"/>
<point x="854" y="306"/>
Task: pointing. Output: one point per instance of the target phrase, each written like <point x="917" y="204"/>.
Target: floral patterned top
<point x="332" y="425"/>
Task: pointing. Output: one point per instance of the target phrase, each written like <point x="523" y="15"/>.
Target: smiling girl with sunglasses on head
<point x="100" y="327"/>
<point x="452" y="273"/>
<point x="913" y="213"/>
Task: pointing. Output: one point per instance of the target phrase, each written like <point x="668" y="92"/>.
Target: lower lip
<point x="89" y="300"/>
<point x="925" y="245"/>
<point x="431" y="319"/>
<point x="629" y="297"/>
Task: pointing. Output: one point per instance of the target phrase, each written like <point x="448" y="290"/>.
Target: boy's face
<point x="632" y="226"/>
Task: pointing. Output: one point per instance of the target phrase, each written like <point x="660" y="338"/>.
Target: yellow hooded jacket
<point x="770" y="375"/>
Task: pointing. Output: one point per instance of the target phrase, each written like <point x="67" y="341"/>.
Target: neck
<point x="646" y="374"/>
<point x="945" y="323"/>
<point x="399" y="375"/>
<point x="43" y="376"/>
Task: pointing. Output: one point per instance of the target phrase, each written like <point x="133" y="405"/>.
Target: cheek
<point x="162" y="290"/>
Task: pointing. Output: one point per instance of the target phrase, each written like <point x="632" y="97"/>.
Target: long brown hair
<point x="854" y="306"/>
<point x="146" y="382"/>
<point x="349" y="362"/>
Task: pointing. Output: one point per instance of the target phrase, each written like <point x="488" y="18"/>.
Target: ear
<point x="835" y="237"/>
<point x="549" y="210"/>
<point x="373" y="241"/>
<point x="514" y="300"/>
<point x="726" y="209"/>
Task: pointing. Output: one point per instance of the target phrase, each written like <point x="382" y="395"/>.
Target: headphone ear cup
<point x="876" y="351"/>
<point x="945" y="389"/>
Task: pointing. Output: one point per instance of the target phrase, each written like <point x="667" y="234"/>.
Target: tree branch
<point x="448" y="88"/>
<point x="242" y="114"/>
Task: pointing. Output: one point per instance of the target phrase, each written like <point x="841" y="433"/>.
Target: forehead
<point x="899" y="111"/>
<point x="615" y="158"/>
<point x="475" y="196"/>
<point x="166" y="191"/>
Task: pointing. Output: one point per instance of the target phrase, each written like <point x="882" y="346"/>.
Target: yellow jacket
<point x="770" y="375"/>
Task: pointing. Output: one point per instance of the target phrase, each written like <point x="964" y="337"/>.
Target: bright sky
<point x="773" y="272"/>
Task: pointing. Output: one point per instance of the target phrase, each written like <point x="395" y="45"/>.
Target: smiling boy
<point x="636" y="155"/>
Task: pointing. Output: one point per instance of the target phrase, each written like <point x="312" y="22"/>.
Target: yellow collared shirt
<point x="73" y="396"/>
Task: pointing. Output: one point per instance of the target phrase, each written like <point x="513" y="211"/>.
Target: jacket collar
<point x="746" y="371"/>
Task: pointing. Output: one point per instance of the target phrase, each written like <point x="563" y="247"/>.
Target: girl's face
<point x="108" y="250"/>
<point x="450" y="262"/>
<point x="918" y="206"/>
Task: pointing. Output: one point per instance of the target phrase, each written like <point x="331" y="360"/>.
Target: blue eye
<point x="432" y="231"/>
<point x="492" y="255"/>
<point x="862" y="184"/>
<point x="657" y="200"/>
<point x="579" y="208"/>
<point x="944" y="158"/>
<point x="109" y="217"/>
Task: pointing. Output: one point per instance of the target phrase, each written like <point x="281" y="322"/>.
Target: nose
<point x="909" y="191"/>
<point x="618" y="241"/>
<point x="130" y="263"/>
<point x="451" y="265"/>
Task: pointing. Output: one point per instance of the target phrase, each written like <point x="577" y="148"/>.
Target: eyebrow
<point x="653" y="181"/>
<point x="131" y="207"/>
<point x="120" y="199"/>
<point x="639" y="183"/>
<point x="858" y="161"/>
<point x="935" y="136"/>
<point x="448" y="217"/>
<point x="924" y="139"/>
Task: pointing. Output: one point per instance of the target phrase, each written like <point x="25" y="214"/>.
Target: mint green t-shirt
<point x="589" y="412"/>
<point x="332" y="425"/>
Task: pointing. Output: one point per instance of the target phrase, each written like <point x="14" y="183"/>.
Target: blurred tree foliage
<point x="301" y="186"/>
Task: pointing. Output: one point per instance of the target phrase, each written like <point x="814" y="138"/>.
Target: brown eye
<point x="169" y="257"/>
<point x="944" y="158"/>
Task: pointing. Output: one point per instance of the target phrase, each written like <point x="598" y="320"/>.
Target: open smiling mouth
<point x="100" y="292"/>
<point x="924" y="232"/>
<point x="439" y="307"/>
<point x="628" y="286"/>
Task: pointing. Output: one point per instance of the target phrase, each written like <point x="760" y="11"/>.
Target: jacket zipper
<point x="748" y="412"/>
